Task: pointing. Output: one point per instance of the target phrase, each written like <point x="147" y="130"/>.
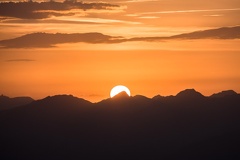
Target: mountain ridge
<point x="9" y="103"/>
<point x="185" y="95"/>
<point x="137" y="127"/>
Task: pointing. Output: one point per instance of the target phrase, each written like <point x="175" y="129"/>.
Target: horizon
<point x="130" y="96"/>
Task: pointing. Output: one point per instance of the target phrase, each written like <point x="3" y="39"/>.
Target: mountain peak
<point x="3" y="97"/>
<point x="157" y="97"/>
<point x="121" y="95"/>
<point x="224" y="93"/>
<point x="9" y="103"/>
<point x="63" y="100"/>
<point x="189" y="93"/>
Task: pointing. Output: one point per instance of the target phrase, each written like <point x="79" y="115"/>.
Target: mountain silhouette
<point x="186" y="126"/>
<point x="9" y="103"/>
<point x="224" y="93"/>
<point x="121" y="95"/>
<point x="189" y="94"/>
<point x="62" y="100"/>
<point x="44" y="40"/>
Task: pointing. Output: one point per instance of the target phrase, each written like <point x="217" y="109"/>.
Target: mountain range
<point x="9" y="103"/>
<point x="186" y="126"/>
<point x="43" y="40"/>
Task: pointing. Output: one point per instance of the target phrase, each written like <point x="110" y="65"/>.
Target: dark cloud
<point x="20" y="60"/>
<point x="41" y="10"/>
<point x="219" y="33"/>
<point x="35" y="21"/>
<point x="44" y="40"/>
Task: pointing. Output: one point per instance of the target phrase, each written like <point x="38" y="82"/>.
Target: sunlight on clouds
<point x="190" y="11"/>
<point x="132" y="15"/>
<point x="78" y="12"/>
<point x="85" y="12"/>
<point x="94" y="20"/>
<point x="137" y="1"/>
<point x="149" y="17"/>
<point x="173" y="45"/>
<point x="213" y="15"/>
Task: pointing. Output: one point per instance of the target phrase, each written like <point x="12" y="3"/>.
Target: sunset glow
<point x="151" y="46"/>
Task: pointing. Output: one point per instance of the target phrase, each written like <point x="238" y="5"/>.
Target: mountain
<point x="62" y="100"/>
<point x="42" y="40"/>
<point x="185" y="126"/>
<point x="189" y="94"/>
<point x="9" y="103"/>
<point x="224" y="94"/>
<point x="121" y="95"/>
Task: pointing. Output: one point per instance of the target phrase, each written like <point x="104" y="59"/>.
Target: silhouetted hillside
<point x="189" y="94"/>
<point x="121" y="95"/>
<point x="9" y="103"/>
<point x="50" y="40"/>
<point x="186" y="126"/>
<point x="224" y="94"/>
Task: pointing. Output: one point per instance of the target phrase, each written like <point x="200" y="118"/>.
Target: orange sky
<point x="147" y="68"/>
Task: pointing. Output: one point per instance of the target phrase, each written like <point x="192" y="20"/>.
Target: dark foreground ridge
<point x="186" y="126"/>
<point x="9" y="103"/>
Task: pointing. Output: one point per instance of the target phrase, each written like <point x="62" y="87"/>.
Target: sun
<point x="117" y="89"/>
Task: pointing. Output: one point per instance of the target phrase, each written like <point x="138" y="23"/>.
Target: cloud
<point x="93" y="20"/>
<point x="219" y="33"/>
<point x="137" y="1"/>
<point x="148" y="17"/>
<point x="213" y="15"/>
<point x="41" y="10"/>
<point x="189" y="11"/>
<point x="20" y="60"/>
<point x="45" y="40"/>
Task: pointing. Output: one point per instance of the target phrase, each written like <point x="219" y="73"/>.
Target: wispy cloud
<point x="137" y="1"/>
<point x="92" y="20"/>
<point x="189" y="11"/>
<point x="148" y="17"/>
<point x="213" y="15"/>
<point x="20" y="60"/>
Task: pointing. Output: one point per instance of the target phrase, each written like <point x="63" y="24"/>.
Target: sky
<point x="46" y="48"/>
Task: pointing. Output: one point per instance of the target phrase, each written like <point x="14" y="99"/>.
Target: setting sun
<point x="118" y="89"/>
